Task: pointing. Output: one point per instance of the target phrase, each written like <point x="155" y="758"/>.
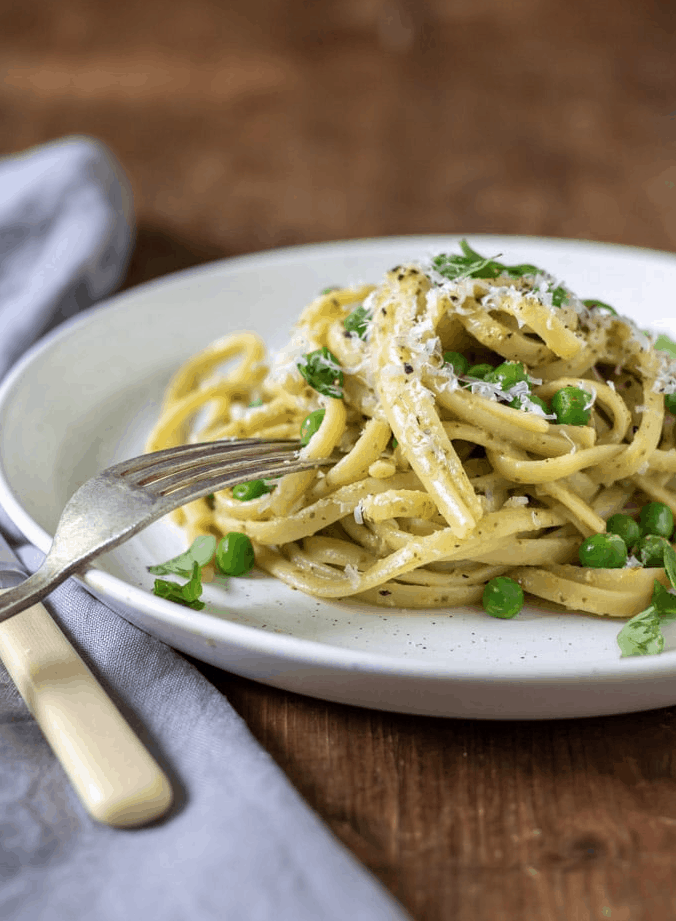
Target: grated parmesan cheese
<point x="352" y="574"/>
<point x="573" y="447"/>
<point x="516" y="502"/>
<point x="592" y="398"/>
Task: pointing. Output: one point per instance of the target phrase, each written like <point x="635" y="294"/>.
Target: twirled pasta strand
<point x="439" y="488"/>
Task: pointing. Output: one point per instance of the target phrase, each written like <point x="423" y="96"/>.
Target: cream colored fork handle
<point x="114" y="775"/>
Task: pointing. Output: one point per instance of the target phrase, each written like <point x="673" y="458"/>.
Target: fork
<point x="117" y="779"/>
<point x="114" y="505"/>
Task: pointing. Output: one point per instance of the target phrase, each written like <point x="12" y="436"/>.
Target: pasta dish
<point x="490" y="425"/>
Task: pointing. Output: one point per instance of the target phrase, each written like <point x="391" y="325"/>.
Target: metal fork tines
<point x="111" y="507"/>
<point x="183" y="467"/>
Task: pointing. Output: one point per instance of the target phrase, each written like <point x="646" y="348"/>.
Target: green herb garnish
<point x="472" y="265"/>
<point x="457" y="361"/>
<point x="665" y="344"/>
<point x="358" y="321"/>
<point x="559" y="295"/>
<point x="670" y="565"/>
<point x="650" y="550"/>
<point x="479" y="371"/>
<point x="323" y="372"/>
<point x="201" y="551"/>
<point x="519" y="403"/>
<point x="593" y="302"/>
<point x="642" y="635"/>
<point x="187" y="594"/>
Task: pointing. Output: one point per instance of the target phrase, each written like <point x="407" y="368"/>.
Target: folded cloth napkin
<point x="240" y="843"/>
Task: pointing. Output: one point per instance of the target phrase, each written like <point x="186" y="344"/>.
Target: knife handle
<point x="114" y="775"/>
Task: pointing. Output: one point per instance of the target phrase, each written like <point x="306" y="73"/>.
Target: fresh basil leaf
<point x="322" y="370"/>
<point x="642" y="635"/>
<point x="468" y="251"/>
<point x="670" y="564"/>
<point x="193" y="588"/>
<point x="559" y="295"/>
<point x="472" y="265"/>
<point x="664" y="602"/>
<point x="201" y="551"/>
<point x="187" y="595"/>
<point x="524" y="269"/>
<point x="453" y="267"/>
<point x="358" y="321"/>
<point x="593" y="302"/>
<point x="665" y="344"/>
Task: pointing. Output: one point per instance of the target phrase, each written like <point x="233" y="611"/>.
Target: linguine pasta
<point x="449" y="476"/>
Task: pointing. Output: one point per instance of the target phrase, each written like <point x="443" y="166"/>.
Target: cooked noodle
<point x="443" y="484"/>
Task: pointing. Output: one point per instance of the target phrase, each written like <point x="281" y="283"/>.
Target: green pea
<point x="656" y="518"/>
<point x="459" y="363"/>
<point x="650" y="549"/>
<point x="625" y="527"/>
<point x="254" y="403"/>
<point x="235" y="554"/>
<point x="479" y="371"/>
<point x="507" y="374"/>
<point x="572" y="406"/>
<point x="251" y="490"/>
<point x="310" y="425"/>
<point x="358" y="321"/>
<point x="603" y="551"/>
<point x="502" y="597"/>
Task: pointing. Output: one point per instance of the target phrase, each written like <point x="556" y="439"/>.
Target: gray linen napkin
<point x="240" y="842"/>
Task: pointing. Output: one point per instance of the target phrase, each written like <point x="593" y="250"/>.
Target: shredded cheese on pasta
<point x="444" y="482"/>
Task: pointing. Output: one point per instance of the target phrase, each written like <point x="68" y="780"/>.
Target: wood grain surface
<point x="250" y="124"/>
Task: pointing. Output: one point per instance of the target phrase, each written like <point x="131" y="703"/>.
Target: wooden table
<point x="258" y="123"/>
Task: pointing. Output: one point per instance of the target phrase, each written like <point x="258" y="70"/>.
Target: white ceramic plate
<point x="87" y="395"/>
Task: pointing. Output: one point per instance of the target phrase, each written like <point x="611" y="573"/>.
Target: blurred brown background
<point x="249" y="124"/>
